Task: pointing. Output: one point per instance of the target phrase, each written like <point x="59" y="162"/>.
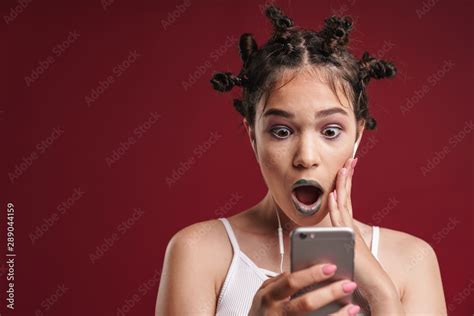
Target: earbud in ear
<point x="355" y="149"/>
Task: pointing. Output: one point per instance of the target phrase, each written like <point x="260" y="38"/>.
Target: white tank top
<point x="244" y="277"/>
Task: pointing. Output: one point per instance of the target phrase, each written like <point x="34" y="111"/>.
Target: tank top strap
<point x="230" y="234"/>
<point x="374" y="247"/>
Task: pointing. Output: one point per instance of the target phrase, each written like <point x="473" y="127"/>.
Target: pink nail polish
<point x="329" y="269"/>
<point x="354" y="309"/>
<point x="354" y="162"/>
<point x="349" y="287"/>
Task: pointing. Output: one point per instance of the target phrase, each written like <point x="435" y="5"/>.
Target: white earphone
<point x="280" y="241"/>
<point x="280" y="230"/>
<point x="355" y="149"/>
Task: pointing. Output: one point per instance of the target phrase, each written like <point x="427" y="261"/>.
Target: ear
<point x="251" y="134"/>
<point x="360" y="127"/>
<point x="360" y="131"/>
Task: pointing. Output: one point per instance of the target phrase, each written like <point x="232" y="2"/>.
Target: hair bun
<point x="370" y="67"/>
<point x="335" y="33"/>
<point x="247" y="46"/>
<point x="225" y="81"/>
<point x="279" y="20"/>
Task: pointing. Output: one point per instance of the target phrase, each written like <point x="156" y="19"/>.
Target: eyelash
<point x="284" y="127"/>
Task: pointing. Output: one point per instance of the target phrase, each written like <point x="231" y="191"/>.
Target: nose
<point x="306" y="154"/>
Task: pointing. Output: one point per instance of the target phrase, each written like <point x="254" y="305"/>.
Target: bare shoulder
<point x="202" y="241"/>
<point x="406" y="256"/>
<point x="190" y="263"/>
<point x="404" y="244"/>
<point x="200" y="234"/>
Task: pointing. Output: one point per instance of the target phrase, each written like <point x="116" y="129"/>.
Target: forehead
<point x="306" y="90"/>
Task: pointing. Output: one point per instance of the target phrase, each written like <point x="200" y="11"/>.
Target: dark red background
<point x="77" y="159"/>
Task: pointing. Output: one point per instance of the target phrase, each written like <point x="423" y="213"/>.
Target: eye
<point x="281" y="132"/>
<point x="334" y="132"/>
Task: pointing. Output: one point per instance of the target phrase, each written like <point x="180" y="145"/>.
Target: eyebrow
<point x="319" y="114"/>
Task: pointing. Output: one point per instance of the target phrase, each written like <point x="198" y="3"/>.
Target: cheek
<point x="334" y="168"/>
<point x="274" y="158"/>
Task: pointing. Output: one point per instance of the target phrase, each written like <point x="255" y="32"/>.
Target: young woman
<point x="305" y="109"/>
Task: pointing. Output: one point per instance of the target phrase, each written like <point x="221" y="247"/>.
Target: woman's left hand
<point x="372" y="280"/>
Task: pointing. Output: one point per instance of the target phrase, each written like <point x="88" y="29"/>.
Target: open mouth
<point x="307" y="196"/>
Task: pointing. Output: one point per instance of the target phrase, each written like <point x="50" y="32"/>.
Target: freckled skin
<point x="307" y="151"/>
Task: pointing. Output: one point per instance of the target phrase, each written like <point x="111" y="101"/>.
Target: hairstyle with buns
<point x="291" y="48"/>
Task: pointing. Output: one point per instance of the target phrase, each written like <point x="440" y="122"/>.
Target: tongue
<point x="307" y="194"/>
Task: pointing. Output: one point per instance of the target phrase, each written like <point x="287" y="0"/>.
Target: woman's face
<point x="305" y="133"/>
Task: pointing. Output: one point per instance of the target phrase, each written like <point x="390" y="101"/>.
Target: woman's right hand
<point x="273" y="297"/>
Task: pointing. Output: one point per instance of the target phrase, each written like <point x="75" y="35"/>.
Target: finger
<point x="346" y="176"/>
<point x="349" y="309"/>
<point x="295" y="281"/>
<point x="349" y="181"/>
<point x="346" y="207"/>
<point x="349" y="188"/>
<point x="341" y="187"/>
<point x="334" y="213"/>
<point x="320" y="297"/>
<point x="274" y="279"/>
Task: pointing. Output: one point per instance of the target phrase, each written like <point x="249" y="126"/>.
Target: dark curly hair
<point x="291" y="48"/>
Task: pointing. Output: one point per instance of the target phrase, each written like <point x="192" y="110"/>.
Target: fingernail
<point x="354" y="309"/>
<point x="349" y="287"/>
<point x="329" y="269"/>
<point x="335" y="195"/>
<point x="354" y="162"/>
<point x="343" y="171"/>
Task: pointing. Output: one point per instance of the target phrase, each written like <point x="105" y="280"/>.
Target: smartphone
<point x="315" y="245"/>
